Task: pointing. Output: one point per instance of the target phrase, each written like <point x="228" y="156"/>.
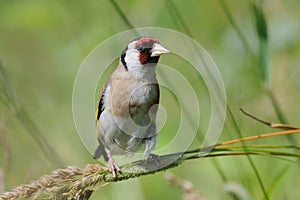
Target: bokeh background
<point x="43" y="43"/>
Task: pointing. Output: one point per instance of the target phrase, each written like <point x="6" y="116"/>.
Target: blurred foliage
<point x="43" y="43"/>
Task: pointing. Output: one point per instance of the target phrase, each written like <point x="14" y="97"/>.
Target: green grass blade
<point x="262" y="33"/>
<point x="8" y="91"/>
<point x="277" y="179"/>
<point x="255" y="170"/>
<point x="11" y="101"/>
<point x="173" y="10"/>
<point x="122" y="15"/>
<point x="237" y="30"/>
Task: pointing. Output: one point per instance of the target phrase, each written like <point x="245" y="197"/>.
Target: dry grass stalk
<point x="59" y="182"/>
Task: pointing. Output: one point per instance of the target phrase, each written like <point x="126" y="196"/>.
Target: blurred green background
<point x="43" y="43"/>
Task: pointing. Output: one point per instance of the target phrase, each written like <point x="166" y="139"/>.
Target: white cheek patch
<point x="131" y="57"/>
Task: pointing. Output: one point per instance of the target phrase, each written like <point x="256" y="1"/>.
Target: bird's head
<point x="142" y="52"/>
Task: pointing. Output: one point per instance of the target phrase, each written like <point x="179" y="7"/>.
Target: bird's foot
<point x="113" y="167"/>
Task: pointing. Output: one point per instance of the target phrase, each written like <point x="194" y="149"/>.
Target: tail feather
<point x="100" y="151"/>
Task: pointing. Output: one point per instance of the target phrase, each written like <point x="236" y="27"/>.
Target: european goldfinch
<point x="128" y="103"/>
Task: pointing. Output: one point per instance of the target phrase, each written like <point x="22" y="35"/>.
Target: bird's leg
<point x="112" y="166"/>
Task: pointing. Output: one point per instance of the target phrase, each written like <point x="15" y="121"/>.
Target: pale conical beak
<point x="158" y="50"/>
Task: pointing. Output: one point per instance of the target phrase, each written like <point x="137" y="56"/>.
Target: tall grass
<point x="9" y="98"/>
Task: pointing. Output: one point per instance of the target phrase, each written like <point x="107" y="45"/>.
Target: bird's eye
<point x="140" y="48"/>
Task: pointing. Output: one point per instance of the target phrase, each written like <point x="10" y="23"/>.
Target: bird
<point x="127" y="109"/>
